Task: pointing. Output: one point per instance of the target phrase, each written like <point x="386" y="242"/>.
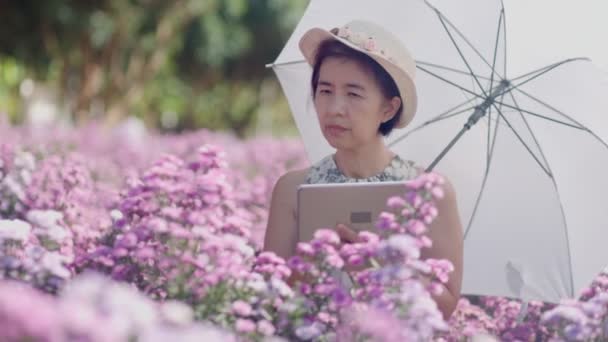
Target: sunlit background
<point x="174" y="65"/>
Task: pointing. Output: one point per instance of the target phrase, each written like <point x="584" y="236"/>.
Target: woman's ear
<point x="391" y="108"/>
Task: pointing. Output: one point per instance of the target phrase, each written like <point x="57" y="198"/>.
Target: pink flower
<point x="441" y="268"/>
<point x="305" y="249"/>
<point x="416" y="227"/>
<point x="396" y="202"/>
<point x="437" y="192"/>
<point x="414" y="199"/>
<point x="387" y="222"/>
<point x="327" y="236"/>
<point x="266" y="328"/>
<point x="241" y="308"/>
<point x="334" y="260"/>
<point x="355" y="260"/>
<point x="368" y="237"/>
<point x="245" y="326"/>
<point x="344" y="32"/>
<point x="370" y="44"/>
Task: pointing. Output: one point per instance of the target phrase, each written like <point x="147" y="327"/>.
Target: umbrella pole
<point x="523" y="311"/>
<point x="480" y="111"/>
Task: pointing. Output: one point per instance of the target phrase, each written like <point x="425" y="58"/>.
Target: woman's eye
<point x="324" y="91"/>
<point x="354" y="95"/>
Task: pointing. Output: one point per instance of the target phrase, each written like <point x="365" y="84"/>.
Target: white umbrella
<point x="530" y="175"/>
<point x="563" y="27"/>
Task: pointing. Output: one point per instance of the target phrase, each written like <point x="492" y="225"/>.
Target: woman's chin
<point x="332" y="141"/>
<point x="336" y="143"/>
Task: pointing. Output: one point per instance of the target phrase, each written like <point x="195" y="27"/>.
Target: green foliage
<point x="11" y="74"/>
<point x="200" y="61"/>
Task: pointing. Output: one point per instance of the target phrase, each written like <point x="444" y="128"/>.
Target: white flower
<point x="128" y="305"/>
<point x="309" y="332"/>
<point x="116" y="215"/>
<point x="53" y="262"/>
<point x="14" y="187"/>
<point x="14" y="230"/>
<point x="44" y="218"/>
<point x="195" y="333"/>
<point x="483" y="338"/>
<point x="258" y="285"/>
<point x="25" y="160"/>
<point x="239" y="244"/>
<point x="279" y="285"/>
<point x="85" y="288"/>
<point x="48" y="222"/>
<point x="176" y="312"/>
<point x="568" y="313"/>
<point x="127" y="310"/>
<point x="404" y="244"/>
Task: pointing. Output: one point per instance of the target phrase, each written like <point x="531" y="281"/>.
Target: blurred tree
<point x="181" y="63"/>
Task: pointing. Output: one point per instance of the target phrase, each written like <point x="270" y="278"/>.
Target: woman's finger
<point x="346" y="234"/>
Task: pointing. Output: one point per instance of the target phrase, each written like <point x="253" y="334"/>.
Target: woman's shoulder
<point x="290" y="180"/>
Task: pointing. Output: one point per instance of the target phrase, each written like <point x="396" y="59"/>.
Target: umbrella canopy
<point x="530" y="175"/>
<point x="562" y="26"/>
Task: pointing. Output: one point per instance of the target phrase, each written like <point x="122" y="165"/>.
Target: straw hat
<point x="380" y="45"/>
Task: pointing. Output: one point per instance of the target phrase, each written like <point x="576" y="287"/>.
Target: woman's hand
<point x="346" y="234"/>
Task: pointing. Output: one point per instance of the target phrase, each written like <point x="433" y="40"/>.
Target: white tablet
<point x="355" y="204"/>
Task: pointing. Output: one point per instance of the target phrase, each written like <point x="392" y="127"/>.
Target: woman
<point x="362" y="88"/>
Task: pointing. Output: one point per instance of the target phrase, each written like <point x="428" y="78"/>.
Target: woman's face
<point x="349" y="103"/>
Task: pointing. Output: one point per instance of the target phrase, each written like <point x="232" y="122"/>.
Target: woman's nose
<point x="337" y="106"/>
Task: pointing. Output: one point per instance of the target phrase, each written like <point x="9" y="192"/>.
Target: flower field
<point x="110" y="236"/>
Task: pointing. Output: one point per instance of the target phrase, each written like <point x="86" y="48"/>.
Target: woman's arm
<point x="281" y="236"/>
<point x="446" y="233"/>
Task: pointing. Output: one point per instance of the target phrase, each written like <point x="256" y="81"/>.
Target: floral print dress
<point x="326" y="171"/>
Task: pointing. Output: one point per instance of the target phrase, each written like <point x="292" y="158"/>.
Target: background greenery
<point x="179" y="64"/>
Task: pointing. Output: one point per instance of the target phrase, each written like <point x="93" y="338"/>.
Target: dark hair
<point x="388" y="87"/>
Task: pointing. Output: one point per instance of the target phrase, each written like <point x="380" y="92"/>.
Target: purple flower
<point x="340" y="297"/>
<point x="309" y="332"/>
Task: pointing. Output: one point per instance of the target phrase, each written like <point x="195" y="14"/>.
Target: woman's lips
<point x="335" y="129"/>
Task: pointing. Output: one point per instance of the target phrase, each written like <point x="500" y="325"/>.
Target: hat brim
<point x="310" y="41"/>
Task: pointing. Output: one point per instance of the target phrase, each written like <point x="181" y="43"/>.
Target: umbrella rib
<point x="441" y="18"/>
<point x="488" y="137"/>
<point x="545" y="104"/>
<point x="504" y="35"/>
<point x="450" y="82"/>
<point x="581" y="126"/>
<point x="536" y="141"/>
<point x="445" y="115"/>
<point x="502" y="14"/>
<point x="449" y="113"/>
<point x="547" y="68"/>
<point x="274" y="65"/>
<point x="541" y="116"/>
<point x="463" y="37"/>
<point x="437" y="119"/>
<point x="531" y="132"/>
<point x="450" y="69"/>
<point x="522" y="141"/>
<point x="490" y="155"/>
<point x="540" y="74"/>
